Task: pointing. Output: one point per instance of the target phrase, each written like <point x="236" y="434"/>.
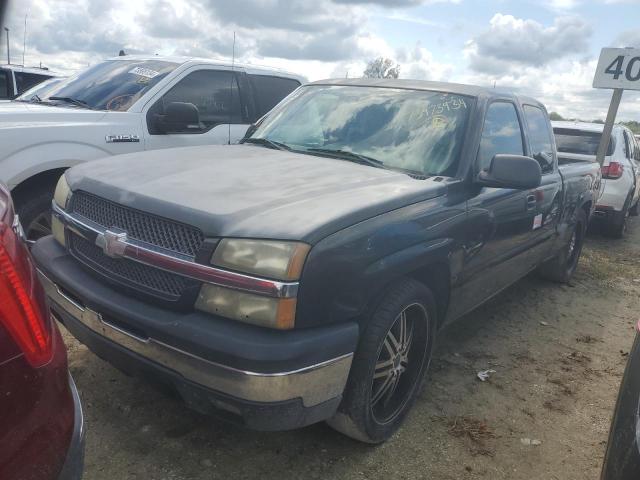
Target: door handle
<point x="531" y="201"/>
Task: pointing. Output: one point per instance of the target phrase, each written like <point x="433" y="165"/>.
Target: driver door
<point x="216" y="94"/>
<point x="501" y="220"/>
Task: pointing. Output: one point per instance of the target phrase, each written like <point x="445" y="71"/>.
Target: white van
<point x="122" y="105"/>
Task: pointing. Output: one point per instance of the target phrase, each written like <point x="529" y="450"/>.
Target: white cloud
<point x="510" y="43"/>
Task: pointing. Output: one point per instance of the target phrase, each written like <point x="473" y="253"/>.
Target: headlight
<point x="61" y="196"/>
<point x="266" y="258"/>
<point x="269" y="312"/>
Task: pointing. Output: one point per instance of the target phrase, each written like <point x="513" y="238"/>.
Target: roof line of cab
<point x="182" y="60"/>
<point x="448" y="87"/>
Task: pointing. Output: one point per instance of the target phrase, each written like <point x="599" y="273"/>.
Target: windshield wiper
<point x="267" y="143"/>
<point x="74" y="101"/>
<point x="350" y="156"/>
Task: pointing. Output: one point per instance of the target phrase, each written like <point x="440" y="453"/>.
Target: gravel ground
<point x="558" y="353"/>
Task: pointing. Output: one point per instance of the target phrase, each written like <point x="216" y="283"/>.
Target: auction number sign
<point x="618" y="68"/>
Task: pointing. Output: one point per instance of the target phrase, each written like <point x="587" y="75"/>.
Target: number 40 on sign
<point x="618" y="68"/>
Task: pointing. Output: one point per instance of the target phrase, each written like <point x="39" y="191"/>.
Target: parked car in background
<point x="622" y="458"/>
<point x="302" y="275"/>
<point x="15" y="79"/>
<point x="122" y="105"/>
<point x="578" y="142"/>
<point x="33" y="93"/>
<point x="42" y="433"/>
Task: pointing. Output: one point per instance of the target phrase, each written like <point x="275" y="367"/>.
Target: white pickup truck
<point x="123" y="105"/>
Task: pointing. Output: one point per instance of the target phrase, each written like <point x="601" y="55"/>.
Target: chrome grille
<point x="156" y="231"/>
<point x="159" y="283"/>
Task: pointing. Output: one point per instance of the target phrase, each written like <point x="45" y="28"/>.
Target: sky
<point x="547" y="49"/>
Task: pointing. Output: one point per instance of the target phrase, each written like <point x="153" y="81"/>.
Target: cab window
<point x="214" y="93"/>
<point x="5" y="84"/>
<point x="25" y="80"/>
<point x="501" y="133"/>
<point x="540" y="139"/>
<point x="269" y="90"/>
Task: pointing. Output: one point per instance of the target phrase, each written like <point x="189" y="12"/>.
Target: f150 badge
<point x="122" y="138"/>
<point x="113" y="244"/>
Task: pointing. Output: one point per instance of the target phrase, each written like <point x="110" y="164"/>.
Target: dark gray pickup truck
<point x="303" y="275"/>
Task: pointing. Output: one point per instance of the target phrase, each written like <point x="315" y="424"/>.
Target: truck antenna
<point x="24" y="40"/>
<point x="233" y="64"/>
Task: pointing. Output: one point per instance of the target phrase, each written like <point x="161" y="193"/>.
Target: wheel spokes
<point x="40" y="227"/>
<point x="384" y="388"/>
<point x="383" y="368"/>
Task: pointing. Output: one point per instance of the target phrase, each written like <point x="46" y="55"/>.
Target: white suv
<point x="578" y="141"/>
<point x="15" y="79"/>
<point x="123" y="105"/>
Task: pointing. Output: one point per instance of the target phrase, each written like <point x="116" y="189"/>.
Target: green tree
<point x="381" y="68"/>
<point x="555" y="116"/>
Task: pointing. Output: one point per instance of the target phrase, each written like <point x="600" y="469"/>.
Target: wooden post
<point x="608" y="125"/>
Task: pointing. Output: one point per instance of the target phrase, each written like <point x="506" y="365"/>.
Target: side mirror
<point x="179" y="117"/>
<point x="511" y="171"/>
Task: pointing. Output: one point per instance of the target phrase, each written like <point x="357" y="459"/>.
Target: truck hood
<point x="250" y="191"/>
<point x="23" y="114"/>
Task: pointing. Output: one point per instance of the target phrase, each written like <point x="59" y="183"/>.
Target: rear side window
<point x="4" y="84"/>
<point x="501" y="133"/>
<point x="540" y="137"/>
<point x="214" y="93"/>
<point x="629" y="145"/>
<point x="268" y="91"/>
<point x="24" y="80"/>
<point x="582" y="142"/>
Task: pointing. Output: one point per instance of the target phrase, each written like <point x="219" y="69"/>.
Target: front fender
<point x="346" y="272"/>
<point x="40" y="157"/>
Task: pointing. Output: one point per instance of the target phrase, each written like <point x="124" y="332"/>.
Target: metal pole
<point x="608" y="125"/>
<point x="8" y="55"/>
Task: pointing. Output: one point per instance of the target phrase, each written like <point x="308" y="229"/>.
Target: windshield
<point x="111" y="85"/>
<point x="420" y="131"/>
<point x="579" y="141"/>
<point x="38" y="90"/>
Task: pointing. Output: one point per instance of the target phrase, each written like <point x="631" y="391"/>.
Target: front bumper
<point x="279" y="381"/>
<point x="74" y="462"/>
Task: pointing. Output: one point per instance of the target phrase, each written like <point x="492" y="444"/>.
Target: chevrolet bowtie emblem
<point x="112" y="243"/>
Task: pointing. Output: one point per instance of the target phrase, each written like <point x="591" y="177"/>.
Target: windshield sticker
<point x="144" y="72"/>
<point x="439" y="121"/>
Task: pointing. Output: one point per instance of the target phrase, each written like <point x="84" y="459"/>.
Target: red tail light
<point x="613" y="170"/>
<point x="21" y="302"/>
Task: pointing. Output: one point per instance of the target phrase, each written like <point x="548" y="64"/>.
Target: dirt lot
<point x="558" y="353"/>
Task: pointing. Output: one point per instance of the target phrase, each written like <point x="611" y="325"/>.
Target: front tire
<point x="35" y="212"/>
<point x="390" y="364"/>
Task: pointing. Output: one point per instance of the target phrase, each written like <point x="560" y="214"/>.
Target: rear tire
<point x="34" y="211"/>
<point x="562" y="267"/>
<point x="617" y="224"/>
<point x="390" y="364"/>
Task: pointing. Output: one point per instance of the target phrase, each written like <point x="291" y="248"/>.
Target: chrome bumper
<point x="314" y="384"/>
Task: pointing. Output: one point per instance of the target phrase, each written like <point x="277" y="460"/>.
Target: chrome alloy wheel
<point x="400" y="363"/>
